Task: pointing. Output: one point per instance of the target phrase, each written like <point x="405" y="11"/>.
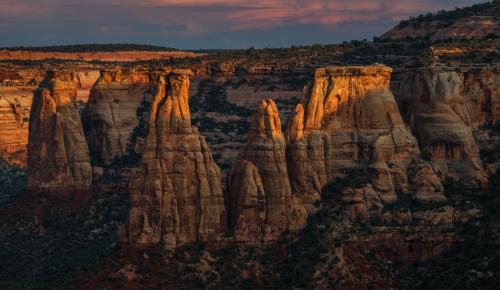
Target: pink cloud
<point x="201" y="16"/>
<point x="242" y="15"/>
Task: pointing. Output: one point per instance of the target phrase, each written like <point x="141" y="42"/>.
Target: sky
<point x="205" y="24"/>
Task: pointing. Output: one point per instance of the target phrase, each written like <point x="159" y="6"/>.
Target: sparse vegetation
<point x="54" y="248"/>
<point x="212" y="97"/>
<point x="472" y="263"/>
<point x="13" y="180"/>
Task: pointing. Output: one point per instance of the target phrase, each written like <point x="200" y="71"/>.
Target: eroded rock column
<point x="58" y="156"/>
<point x="176" y="195"/>
<point x="260" y="197"/>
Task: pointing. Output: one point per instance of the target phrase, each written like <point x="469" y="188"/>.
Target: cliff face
<point x="352" y="122"/>
<point x="111" y="112"/>
<point x="176" y="196"/>
<point x="58" y="158"/>
<point x="260" y="197"/>
<point x="13" y="131"/>
<point x="443" y="107"/>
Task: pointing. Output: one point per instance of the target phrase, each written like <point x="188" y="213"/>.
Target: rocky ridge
<point x="479" y="21"/>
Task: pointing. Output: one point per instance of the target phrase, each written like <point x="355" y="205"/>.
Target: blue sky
<point x="193" y="24"/>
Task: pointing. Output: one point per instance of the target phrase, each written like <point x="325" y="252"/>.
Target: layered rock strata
<point x="351" y="122"/>
<point x="58" y="156"/>
<point x="261" y="203"/>
<point x="111" y="115"/>
<point x="13" y="131"/>
<point x="176" y="195"/>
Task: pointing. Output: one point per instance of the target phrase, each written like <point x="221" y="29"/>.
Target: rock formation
<point x="176" y="196"/>
<point x="351" y="122"/>
<point x="442" y="107"/>
<point x="425" y="185"/>
<point x="58" y="157"/>
<point x="111" y="112"/>
<point x="260" y="197"/>
<point x="13" y="131"/>
<point x="361" y="202"/>
<point x="304" y="180"/>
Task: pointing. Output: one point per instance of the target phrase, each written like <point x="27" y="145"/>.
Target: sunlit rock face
<point x="176" y="195"/>
<point x="58" y="156"/>
<point x="443" y="107"/>
<point x="261" y="202"/>
<point x="351" y="121"/>
<point x="13" y="131"/>
<point x="111" y="114"/>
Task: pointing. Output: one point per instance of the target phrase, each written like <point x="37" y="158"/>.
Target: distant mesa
<point x="105" y="53"/>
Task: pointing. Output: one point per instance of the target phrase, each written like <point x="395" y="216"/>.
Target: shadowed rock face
<point x="304" y="180"/>
<point x="111" y="112"/>
<point x="442" y="107"/>
<point x="58" y="158"/>
<point x="351" y="121"/>
<point x="176" y="196"/>
<point x="261" y="180"/>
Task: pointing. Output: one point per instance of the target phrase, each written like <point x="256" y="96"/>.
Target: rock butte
<point x="58" y="156"/>
<point x="349" y="120"/>
<point x="176" y="196"/>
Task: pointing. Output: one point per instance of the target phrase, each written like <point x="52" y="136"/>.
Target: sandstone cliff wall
<point x="13" y="131"/>
<point x="110" y="115"/>
<point x="444" y="107"/>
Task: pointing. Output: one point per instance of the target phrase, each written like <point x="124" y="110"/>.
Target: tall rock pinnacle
<point x="260" y="198"/>
<point x="176" y="196"/>
<point x="58" y="157"/>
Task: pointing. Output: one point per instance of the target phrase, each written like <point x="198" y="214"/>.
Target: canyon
<point x="355" y="166"/>
<point x="394" y="136"/>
